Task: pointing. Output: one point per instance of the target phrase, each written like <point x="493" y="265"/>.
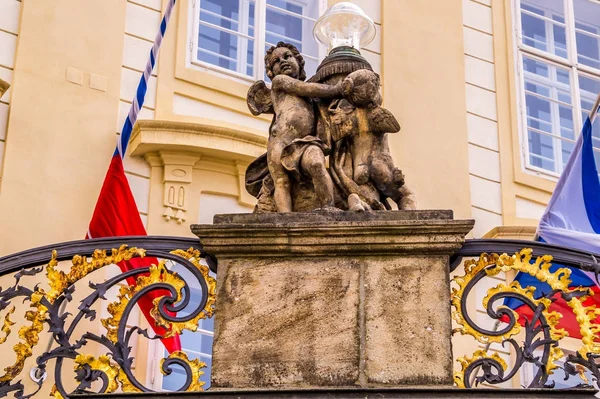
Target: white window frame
<point x="259" y="40"/>
<point x="571" y="63"/>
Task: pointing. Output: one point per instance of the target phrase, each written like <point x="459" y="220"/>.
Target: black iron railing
<point x="533" y="339"/>
<point x="38" y="286"/>
<point x="51" y="286"/>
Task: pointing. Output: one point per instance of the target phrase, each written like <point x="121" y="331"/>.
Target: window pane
<point x="197" y="345"/>
<point x="587" y="27"/>
<point x="542" y="23"/>
<point x="222" y="27"/>
<point x="292" y="22"/>
<point x="589" y="89"/>
<point x="549" y="114"/>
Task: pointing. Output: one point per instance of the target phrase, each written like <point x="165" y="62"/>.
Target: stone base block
<point x="333" y="300"/>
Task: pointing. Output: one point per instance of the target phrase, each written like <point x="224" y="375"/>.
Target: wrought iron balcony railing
<point x="41" y="281"/>
<point x="534" y="339"/>
<point x="44" y="290"/>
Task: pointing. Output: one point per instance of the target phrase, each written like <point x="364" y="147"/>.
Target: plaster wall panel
<point x="484" y="221"/>
<point x="374" y="59"/>
<point x="140" y="187"/>
<point x="481" y="102"/>
<point x="375" y="45"/>
<point x="129" y="84"/>
<point x="212" y="204"/>
<point x="478" y="44"/>
<point x="416" y="91"/>
<point x="136" y="52"/>
<point x="136" y="165"/>
<point x="144" y="220"/>
<point x="2" y="145"/>
<point x="153" y="4"/>
<point x="484" y="163"/>
<point x="124" y="106"/>
<point x="528" y="209"/>
<point x="10" y="11"/>
<point x="3" y="121"/>
<point x="141" y="21"/>
<point x="480" y="73"/>
<point x="8" y="47"/>
<point x="477" y="16"/>
<point x="372" y="8"/>
<point x="7" y="76"/>
<point x="88" y="40"/>
<point x="187" y="106"/>
<point x="482" y="132"/>
<point x="486" y="194"/>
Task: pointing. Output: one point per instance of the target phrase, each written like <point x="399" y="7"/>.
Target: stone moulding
<point x="3" y="87"/>
<point x="375" y="233"/>
<point x="336" y="299"/>
<point x="152" y="136"/>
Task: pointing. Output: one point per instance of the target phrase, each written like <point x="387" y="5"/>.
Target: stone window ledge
<point x="512" y="232"/>
<point x="150" y="136"/>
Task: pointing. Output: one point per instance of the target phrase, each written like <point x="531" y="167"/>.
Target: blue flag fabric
<point x="572" y="219"/>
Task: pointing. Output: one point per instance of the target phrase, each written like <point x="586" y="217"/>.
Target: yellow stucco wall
<point x="58" y="140"/>
<point x="447" y="72"/>
<point x="423" y="85"/>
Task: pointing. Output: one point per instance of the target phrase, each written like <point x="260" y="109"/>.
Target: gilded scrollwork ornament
<point x="540" y="345"/>
<point x="114" y="368"/>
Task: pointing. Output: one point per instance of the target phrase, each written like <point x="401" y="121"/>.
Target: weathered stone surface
<point x="408" y="322"/>
<point x="333" y="234"/>
<point x="364" y="393"/>
<point x="333" y="300"/>
<point x="323" y="217"/>
<point x="286" y="323"/>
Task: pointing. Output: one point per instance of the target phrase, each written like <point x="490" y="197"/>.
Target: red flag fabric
<point x="116" y="214"/>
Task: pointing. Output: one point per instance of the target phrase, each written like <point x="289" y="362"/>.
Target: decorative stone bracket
<point x="177" y="146"/>
<point x="3" y="87"/>
<point x="176" y="180"/>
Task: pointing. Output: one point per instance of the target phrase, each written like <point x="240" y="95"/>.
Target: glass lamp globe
<point x="344" y="24"/>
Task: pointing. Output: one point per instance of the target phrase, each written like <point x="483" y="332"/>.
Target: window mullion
<point x="572" y="51"/>
<point x="555" y="118"/>
<point x="260" y="28"/>
<point x="570" y="32"/>
<point x="193" y="48"/>
<point x="242" y="48"/>
<point x="576" y="98"/>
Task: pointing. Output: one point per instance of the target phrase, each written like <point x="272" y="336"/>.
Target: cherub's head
<point x="284" y="58"/>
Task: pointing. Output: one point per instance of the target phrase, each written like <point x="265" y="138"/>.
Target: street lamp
<point x="344" y="24"/>
<point x="343" y="29"/>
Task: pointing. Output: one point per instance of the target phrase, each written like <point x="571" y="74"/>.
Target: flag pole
<point x="594" y="110"/>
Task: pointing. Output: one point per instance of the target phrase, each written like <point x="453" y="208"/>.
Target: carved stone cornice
<point x="3" y="87"/>
<point x="512" y="232"/>
<point x="194" y="138"/>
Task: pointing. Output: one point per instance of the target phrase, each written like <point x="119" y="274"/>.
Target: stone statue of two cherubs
<point x="341" y="119"/>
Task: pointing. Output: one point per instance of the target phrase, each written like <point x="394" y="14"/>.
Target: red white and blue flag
<point x="572" y="219"/>
<point x="116" y="212"/>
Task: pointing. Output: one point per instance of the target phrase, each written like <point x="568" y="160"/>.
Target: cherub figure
<point x="360" y="123"/>
<point x="293" y="147"/>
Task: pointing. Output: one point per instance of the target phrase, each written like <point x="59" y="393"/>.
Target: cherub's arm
<point x="303" y="89"/>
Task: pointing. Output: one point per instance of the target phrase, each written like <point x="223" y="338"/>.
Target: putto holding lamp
<point x="337" y="114"/>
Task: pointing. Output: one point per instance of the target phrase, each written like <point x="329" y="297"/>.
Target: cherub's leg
<point x="390" y="181"/>
<point x="313" y="163"/>
<point x="281" y="180"/>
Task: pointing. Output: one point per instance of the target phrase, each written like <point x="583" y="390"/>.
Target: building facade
<point x="490" y="95"/>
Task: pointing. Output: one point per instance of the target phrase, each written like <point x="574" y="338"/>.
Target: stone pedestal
<point x="333" y="300"/>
